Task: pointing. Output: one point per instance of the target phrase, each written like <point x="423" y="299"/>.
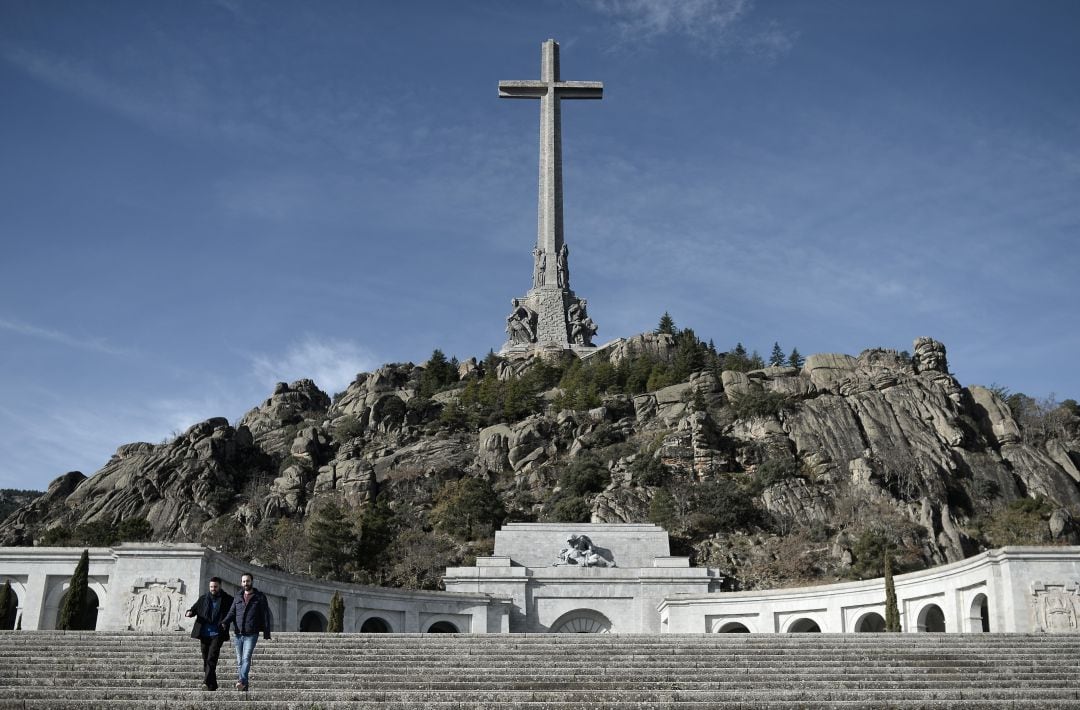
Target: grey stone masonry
<point x="109" y="671"/>
<point x="550" y="316"/>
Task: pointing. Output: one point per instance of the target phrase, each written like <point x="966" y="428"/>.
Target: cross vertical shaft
<point x="549" y="214"/>
<point x="551" y="91"/>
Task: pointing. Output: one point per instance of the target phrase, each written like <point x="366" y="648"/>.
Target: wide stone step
<point x="956" y="682"/>
<point x="220" y="699"/>
<point x="288" y="667"/>
<point x="310" y="671"/>
<point x="284" y="669"/>
<point x="582" y="694"/>
<point x="271" y="648"/>
<point x="792" y="640"/>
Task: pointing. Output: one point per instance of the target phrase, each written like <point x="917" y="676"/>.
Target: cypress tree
<point x="336" y="623"/>
<point x="7" y="607"/>
<point x="892" y="611"/>
<point x="73" y="613"/>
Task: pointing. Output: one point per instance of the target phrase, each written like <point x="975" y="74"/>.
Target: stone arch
<point x="54" y="601"/>
<point x="979" y="614"/>
<point x="870" y="622"/>
<point x="90" y="611"/>
<point x="733" y="627"/>
<point x="581" y="621"/>
<point x="804" y="626"/>
<point x="443" y="627"/>
<point x="379" y="625"/>
<point x="931" y="619"/>
<point x="8" y="622"/>
<point x="313" y="622"/>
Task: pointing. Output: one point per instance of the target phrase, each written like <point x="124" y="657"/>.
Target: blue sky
<point x="198" y="199"/>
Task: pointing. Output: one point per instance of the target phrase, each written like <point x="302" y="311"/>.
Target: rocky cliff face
<point x="828" y="455"/>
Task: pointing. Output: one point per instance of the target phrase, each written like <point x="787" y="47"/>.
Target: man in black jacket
<point x="249" y="616"/>
<point x="208" y="611"/>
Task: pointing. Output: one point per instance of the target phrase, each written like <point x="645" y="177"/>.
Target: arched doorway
<point x="442" y="627"/>
<point x="979" y="616"/>
<point x="313" y="622"/>
<point x="375" y="625"/>
<point x="932" y="619"/>
<point x="804" y="626"/>
<point x="7" y="623"/>
<point x="88" y="621"/>
<point x="581" y="621"/>
<point x="733" y="627"/>
<point x="871" y="622"/>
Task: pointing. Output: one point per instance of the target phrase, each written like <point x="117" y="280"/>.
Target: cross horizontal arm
<point x="563" y="89"/>
<point x="522" y="89"/>
<point x="580" y="89"/>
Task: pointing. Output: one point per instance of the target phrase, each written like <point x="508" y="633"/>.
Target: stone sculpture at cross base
<point x="550" y="317"/>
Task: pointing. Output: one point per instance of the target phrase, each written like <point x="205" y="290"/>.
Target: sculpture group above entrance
<point x="550" y="316"/>
<point x="581" y="552"/>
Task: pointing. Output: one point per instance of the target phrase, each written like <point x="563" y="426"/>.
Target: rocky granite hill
<point x="778" y="475"/>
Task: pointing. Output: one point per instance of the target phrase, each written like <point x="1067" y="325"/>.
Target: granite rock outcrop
<point x="844" y="435"/>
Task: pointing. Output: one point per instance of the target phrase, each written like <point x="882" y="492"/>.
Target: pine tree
<point x="737" y="359"/>
<point x="776" y="359"/>
<point x="438" y="373"/>
<point x="332" y="540"/>
<point x="467" y="509"/>
<point x="795" y="359"/>
<point x="73" y="613"/>
<point x="8" y="607"/>
<point x="663" y="510"/>
<point x="698" y="403"/>
<point x="336" y="623"/>
<point x="667" y="325"/>
<point x="892" y="611"/>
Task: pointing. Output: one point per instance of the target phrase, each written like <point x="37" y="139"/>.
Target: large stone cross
<point x="550" y="316"/>
<point x="550" y="90"/>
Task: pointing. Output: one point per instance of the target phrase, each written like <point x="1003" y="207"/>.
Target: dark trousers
<point x="211" y="649"/>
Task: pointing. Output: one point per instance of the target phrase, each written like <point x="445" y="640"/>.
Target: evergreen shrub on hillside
<point x="468" y="509"/>
<point x="758" y="403"/>
<point x="720" y="506"/>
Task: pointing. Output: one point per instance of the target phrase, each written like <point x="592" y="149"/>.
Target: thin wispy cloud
<point x="710" y="24"/>
<point x="176" y="102"/>
<point x="94" y="344"/>
<point x="331" y="363"/>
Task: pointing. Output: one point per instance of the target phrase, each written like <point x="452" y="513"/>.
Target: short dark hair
<point x="216" y="579"/>
<point x="247" y="574"/>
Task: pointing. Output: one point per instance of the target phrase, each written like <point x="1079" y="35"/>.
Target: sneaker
<point x="240" y="686"/>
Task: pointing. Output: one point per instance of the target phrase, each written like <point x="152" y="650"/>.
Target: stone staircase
<point x="53" y="669"/>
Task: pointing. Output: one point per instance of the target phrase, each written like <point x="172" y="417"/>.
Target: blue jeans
<point x="245" y="645"/>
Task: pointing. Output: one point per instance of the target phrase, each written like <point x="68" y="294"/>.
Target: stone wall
<point x="148" y="587"/>
<point x="1023" y="589"/>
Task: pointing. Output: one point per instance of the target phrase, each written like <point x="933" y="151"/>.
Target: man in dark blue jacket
<point x="249" y="616"/>
<point x="208" y="611"/>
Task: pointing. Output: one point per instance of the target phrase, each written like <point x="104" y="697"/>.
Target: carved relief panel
<point x="1055" y="607"/>
<point x="155" y="605"/>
